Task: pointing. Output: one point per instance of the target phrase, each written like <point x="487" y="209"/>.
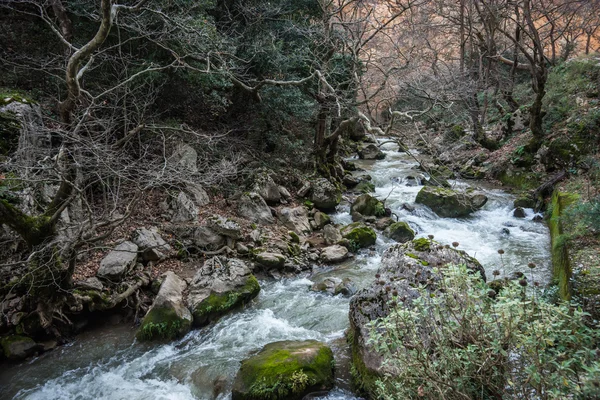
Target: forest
<point x="336" y="199"/>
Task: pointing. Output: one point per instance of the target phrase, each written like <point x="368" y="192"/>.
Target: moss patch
<point x="285" y="370"/>
<point x="400" y="232"/>
<point x="422" y="244"/>
<point x="218" y="304"/>
<point x="360" y="234"/>
<point x="163" y="323"/>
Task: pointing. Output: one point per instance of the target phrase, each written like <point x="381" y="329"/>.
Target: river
<point x="108" y="363"/>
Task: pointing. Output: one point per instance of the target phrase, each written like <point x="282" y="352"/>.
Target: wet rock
<point x="383" y="223"/>
<point x="184" y="209"/>
<point x="365" y="187"/>
<point x="168" y="318"/>
<point x="411" y="181"/>
<point x="408" y="207"/>
<point x="219" y="286"/>
<point x="524" y="201"/>
<point x="334" y="286"/>
<point x="350" y="181"/>
<point x="271" y="260"/>
<point x="224" y="226"/>
<point x="321" y="219"/>
<point x="151" y="245"/>
<point x="538" y="218"/>
<point x="359" y="234"/>
<point x="295" y="219"/>
<point x="254" y="208"/>
<point x="325" y="196"/>
<point x="331" y="234"/>
<point x="285" y="370"/>
<point x="403" y="267"/>
<point x="17" y="347"/>
<point x="400" y="232"/>
<point x="370" y="151"/>
<point x="334" y="254"/>
<point x="449" y="203"/>
<point x="118" y="262"/>
<point x="367" y="205"/>
<point x="519" y="213"/>
<point x="505" y="231"/>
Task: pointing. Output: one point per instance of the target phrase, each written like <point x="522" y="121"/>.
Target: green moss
<point x="519" y="180"/>
<point x="217" y="304"/>
<point x="364" y="380"/>
<point x="360" y="234"/>
<point x="561" y="267"/>
<point x="294" y="236"/>
<point x="422" y="244"/>
<point x="286" y="370"/>
<point x="400" y="232"/>
<point x="365" y="187"/>
<point x="162" y="323"/>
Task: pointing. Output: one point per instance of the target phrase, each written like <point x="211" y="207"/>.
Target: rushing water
<point x="110" y="364"/>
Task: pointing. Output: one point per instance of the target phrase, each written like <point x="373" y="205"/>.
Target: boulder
<point x="168" y="318"/>
<point x="150" y="244"/>
<point x="224" y="226"/>
<point x="254" y="208"/>
<point x="350" y="180"/>
<point x="286" y="370"/>
<point x="321" y="219"/>
<point x="118" y="262"/>
<point x="524" y="201"/>
<point x="383" y="223"/>
<point x="403" y="267"/>
<point x="271" y="260"/>
<point x="449" y="203"/>
<point x="364" y="187"/>
<point x="367" y="205"/>
<point x="91" y="283"/>
<point x="370" y="151"/>
<point x="267" y="188"/>
<point x="359" y="234"/>
<point x="334" y="286"/>
<point x="185" y="158"/>
<point x="334" y="254"/>
<point x="400" y="232"/>
<point x="18" y="347"/>
<point x="219" y="286"/>
<point x="325" y="196"/>
<point x="295" y="219"/>
<point x="331" y="234"/>
<point x="285" y="194"/>
<point x="206" y="238"/>
<point x="198" y="194"/>
<point x="184" y="209"/>
<point x="519" y="213"/>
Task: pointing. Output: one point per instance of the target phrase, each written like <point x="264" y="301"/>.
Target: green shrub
<point x="465" y="341"/>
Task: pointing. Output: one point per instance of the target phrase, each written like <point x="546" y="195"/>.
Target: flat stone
<point x="119" y="261"/>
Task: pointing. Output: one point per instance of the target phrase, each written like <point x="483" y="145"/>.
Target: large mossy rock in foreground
<point x="219" y="286"/>
<point x="285" y="370"/>
<point x="403" y="268"/>
<point x="448" y="203"/>
<point x="168" y="318"/>
<point x="359" y="234"/>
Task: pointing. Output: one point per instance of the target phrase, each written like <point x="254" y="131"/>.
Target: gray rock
<point x="267" y="188"/>
<point x="151" y="245"/>
<point x="254" y="208"/>
<point x="295" y="219"/>
<point x="400" y="231"/>
<point x="449" y="203"/>
<point x="403" y="267"/>
<point x="284" y="193"/>
<point x="331" y="234"/>
<point x="271" y="260"/>
<point x="224" y="226"/>
<point x="18" y="347"/>
<point x="334" y="254"/>
<point x="91" y="283"/>
<point x="168" y="318"/>
<point x="519" y="213"/>
<point x="325" y="196"/>
<point x="184" y="209"/>
<point x="219" y="286"/>
<point x="185" y="158"/>
<point x="371" y="151"/>
<point x="206" y="238"/>
<point x="334" y="286"/>
<point x="383" y="223"/>
<point x="119" y="261"/>
<point x="321" y="219"/>
<point x="303" y="191"/>
<point x="198" y="194"/>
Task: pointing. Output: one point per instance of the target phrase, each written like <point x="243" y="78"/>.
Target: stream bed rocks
<point x="448" y="203"/>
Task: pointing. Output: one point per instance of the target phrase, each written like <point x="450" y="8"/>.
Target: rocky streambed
<point x="111" y="364"/>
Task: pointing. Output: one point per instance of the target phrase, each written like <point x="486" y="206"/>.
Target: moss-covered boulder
<point x="325" y="196"/>
<point x="370" y="151"/>
<point x="524" y="201"/>
<point x="271" y="260"/>
<point x="448" y="203"/>
<point x="359" y="234"/>
<point x="321" y="219"/>
<point x="168" y="318"/>
<point x="16" y="347"/>
<point x="403" y="268"/>
<point x="285" y="370"/>
<point x="366" y="205"/>
<point x="219" y="286"/>
<point x="400" y="232"/>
